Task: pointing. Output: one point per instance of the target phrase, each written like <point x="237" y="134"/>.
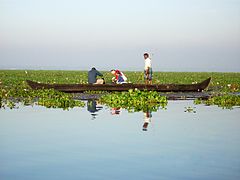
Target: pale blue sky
<point x="182" y="35"/>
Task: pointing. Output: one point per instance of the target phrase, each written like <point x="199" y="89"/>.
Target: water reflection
<point x="57" y="146"/>
<point x="147" y="116"/>
<point x="147" y="119"/>
<point x="93" y="107"/>
<point x="115" y="111"/>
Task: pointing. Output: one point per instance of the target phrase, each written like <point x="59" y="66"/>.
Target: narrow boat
<point x="74" y="88"/>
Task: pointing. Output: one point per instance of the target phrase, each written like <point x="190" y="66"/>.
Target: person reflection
<point x="147" y="119"/>
<point x="115" y="111"/>
<point x="93" y="108"/>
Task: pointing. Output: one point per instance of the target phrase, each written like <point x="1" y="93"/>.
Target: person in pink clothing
<point x="119" y="78"/>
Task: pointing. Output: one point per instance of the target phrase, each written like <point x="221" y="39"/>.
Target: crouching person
<point x="92" y="77"/>
<point x="119" y="77"/>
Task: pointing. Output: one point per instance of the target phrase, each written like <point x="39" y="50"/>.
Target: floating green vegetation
<point x="13" y="88"/>
<point x="54" y="99"/>
<point x="190" y="109"/>
<point x="95" y="92"/>
<point x="224" y="101"/>
<point x="135" y="100"/>
<point x="224" y="82"/>
<point x="10" y="97"/>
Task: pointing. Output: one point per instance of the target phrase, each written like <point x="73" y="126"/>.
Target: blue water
<point x="39" y="143"/>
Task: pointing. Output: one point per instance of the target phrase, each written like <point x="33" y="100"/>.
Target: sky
<point x="180" y="35"/>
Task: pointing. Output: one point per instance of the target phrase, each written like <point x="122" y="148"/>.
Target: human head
<point x="113" y="71"/>
<point x="118" y="72"/>
<point x="146" y="55"/>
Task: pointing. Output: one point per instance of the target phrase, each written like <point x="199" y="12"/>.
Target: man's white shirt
<point x="148" y="63"/>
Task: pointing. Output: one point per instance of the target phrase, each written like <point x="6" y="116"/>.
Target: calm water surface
<point x="102" y="143"/>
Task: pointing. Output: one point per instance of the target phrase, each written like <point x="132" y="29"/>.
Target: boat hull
<point x="72" y="88"/>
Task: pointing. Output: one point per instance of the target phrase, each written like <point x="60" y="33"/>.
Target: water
<point x="39" y="143"/>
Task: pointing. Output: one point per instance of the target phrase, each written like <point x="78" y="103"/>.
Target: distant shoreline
<point x="104" y="70"/>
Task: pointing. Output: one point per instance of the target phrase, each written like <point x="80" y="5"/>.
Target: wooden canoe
<point x="73" y="88"/>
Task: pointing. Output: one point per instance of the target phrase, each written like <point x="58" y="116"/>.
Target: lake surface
<point x="39" y="143"/>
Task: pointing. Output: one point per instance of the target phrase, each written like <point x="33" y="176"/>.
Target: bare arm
<point x="98" y="73"/>
<point x="148" y="70"/>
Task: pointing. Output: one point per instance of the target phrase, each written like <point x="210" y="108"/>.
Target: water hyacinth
<point x="45" y="97"/>
<point x="225" y="101"/>
<point x="55" y="99"/>
<point x="190" y="109"/>
<point x="13" y="86"/>
<point x="219" y="80"/>
<point x="135" y="100"/>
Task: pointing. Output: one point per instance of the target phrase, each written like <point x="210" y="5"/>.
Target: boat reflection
<point x="93" y="107"/>
<point x="147" y="119"/>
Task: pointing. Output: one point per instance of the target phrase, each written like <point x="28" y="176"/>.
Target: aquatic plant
<point x="190" y="109"/>
<point x="225" y="101"/>
<point x="95" y="92"/>
<point x="10" y="97"/>
<point x="14" y="89"/>
<point x="224" y="82"/>
<point x="55" y="99"/>
<point x="135" y="100"/>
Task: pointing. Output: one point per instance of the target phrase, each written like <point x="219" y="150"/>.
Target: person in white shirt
<point x="147" y="119"/>
<point x="147" y="69"/>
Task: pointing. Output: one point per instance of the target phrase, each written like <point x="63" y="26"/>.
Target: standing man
<point x="92" y="77"/>
<point x="147" y="69"/>
<point x="147" y="119"/>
